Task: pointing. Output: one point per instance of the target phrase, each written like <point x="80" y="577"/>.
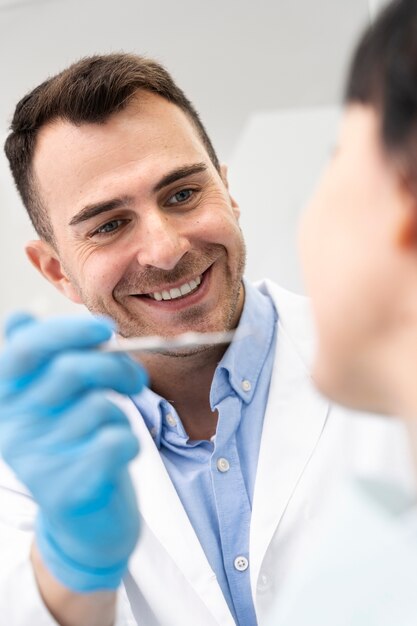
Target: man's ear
<point x="223" y="174"/>
<point x="44" y="257"/>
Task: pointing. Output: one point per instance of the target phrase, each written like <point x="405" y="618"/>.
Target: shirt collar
<point x="243" y="361"/>
<point x="150" y="406"/>
<point x="239" y="369"/>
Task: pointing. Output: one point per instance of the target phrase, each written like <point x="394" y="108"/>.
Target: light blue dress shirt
<point x="215" y="479"/>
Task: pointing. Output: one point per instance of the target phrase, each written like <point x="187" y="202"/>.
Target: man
<point x="238" y="452"/>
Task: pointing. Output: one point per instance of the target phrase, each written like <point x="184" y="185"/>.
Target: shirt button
<point x="223" y="465"/>
<point x="246" y="385"/>
<point x="170" y="419"/>
<point x="241" y="563"/>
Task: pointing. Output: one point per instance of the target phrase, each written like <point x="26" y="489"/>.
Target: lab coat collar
<point x="294" y="421"/>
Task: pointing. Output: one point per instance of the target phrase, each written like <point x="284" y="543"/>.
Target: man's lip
<point x="175" y="285"/>
<point x="164" y="307"/>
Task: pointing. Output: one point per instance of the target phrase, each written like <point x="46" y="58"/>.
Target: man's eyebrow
<point x="181" y="172"/>
<point x="92" y="210"/>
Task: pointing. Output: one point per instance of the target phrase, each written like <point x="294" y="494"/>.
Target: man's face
<point x="146" y="231"/>
<point x="356" y="268"/>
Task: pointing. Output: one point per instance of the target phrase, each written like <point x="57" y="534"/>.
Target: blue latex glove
<point x="70" y="445"/>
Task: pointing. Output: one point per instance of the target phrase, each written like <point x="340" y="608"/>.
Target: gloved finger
<point x="31" y="346"/>
<point x="94" y="412"/>
<point x="84" y="474"/>
<point x="28" y="434"/>
<point x="15" y="321"/>
<point x="108" y="451"/>
<point x="94" y="534"/>
<point x="70" y="375"/>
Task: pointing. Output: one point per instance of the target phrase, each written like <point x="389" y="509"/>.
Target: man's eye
<point x="108" y="227"/>
<point x="181" y="196"/>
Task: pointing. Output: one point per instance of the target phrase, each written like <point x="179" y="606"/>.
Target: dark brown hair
<point x="88" y="91"/>
<point x="383" y="73"/>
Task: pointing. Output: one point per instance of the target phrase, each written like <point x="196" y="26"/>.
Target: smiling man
<point x="188" y="266"/>
<point x="238" y="453"/>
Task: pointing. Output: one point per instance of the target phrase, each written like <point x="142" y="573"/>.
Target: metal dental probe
<point x="185" y="340"/>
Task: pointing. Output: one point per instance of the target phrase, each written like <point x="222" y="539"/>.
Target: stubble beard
<point x="192" y="319"/>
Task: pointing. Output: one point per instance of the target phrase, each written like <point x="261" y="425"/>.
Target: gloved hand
<point x="70" y="445"/>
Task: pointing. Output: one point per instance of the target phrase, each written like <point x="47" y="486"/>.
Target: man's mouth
<point x="177" y="292"/>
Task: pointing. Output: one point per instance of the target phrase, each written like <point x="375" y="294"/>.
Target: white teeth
<point x="185" y="289"/>
<point x="177" y="292"/>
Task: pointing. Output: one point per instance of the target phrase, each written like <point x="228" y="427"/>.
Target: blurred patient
<point x="359" y="251"/>
<point x="359" y="233"/>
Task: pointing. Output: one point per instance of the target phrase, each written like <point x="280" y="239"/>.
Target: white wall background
<point x="266" y="77"/>
<point x="273" y="170"/>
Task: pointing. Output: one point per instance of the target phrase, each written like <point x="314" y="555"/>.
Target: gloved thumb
<point x="15" y="321"/>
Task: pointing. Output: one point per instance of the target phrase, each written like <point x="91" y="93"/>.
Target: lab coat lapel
<point x="293" y="422"/>
<point x="162" y="511"/>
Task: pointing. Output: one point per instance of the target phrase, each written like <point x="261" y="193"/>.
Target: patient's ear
<point x="407" y="232"/>
<point x="403" y="202"/>
<point x="46" y="260"/>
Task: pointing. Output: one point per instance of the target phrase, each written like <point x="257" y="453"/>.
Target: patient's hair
<point x="88" y="91"/>
<point x="383" y="74"/>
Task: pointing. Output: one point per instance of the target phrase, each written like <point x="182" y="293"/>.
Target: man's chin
<point x="184" y="352"/>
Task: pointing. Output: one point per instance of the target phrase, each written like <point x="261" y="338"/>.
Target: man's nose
<point x="162" y="245"/>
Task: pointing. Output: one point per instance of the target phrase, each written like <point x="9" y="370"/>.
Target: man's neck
<point x="185" y="381"/>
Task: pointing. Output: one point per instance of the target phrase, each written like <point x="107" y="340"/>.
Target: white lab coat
<point x="362" y="569"/>
<point x="307" y="449"/>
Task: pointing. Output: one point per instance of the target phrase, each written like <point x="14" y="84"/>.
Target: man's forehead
<point x="151" y="122"/>
<point x="146" y="111"/>
<point x="142" y="143"/>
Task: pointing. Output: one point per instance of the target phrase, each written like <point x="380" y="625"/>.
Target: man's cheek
<point x="103" y="273"/>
